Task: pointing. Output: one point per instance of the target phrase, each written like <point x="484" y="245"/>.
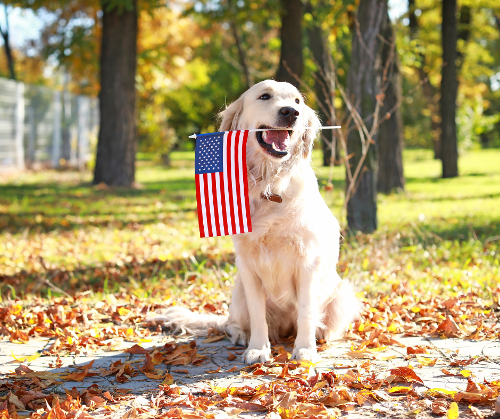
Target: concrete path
<point x="216" y="370"/>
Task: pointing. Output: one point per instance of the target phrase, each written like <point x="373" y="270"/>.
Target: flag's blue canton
<point x="209" y="154"/>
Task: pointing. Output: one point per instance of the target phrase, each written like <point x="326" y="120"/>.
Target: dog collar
<point x="272" y="197"/>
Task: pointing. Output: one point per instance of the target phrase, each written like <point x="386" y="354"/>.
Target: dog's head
<point x="270" y="104"/>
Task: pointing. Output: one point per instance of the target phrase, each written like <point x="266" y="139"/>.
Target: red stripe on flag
<point x="245" y="180"/>
<point x="207" y="206"/>
<point x="198" y="201"/>
<point x="223" y="203"/>
<point x="230" y="182"/>
<point x="237" y="176"/>
<point x="216" y="204"/>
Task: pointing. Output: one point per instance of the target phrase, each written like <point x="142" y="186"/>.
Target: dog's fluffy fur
<point x="287" y="282"/>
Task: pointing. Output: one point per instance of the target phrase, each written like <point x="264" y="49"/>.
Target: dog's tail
<point x="185" y="321"/>
<point x="342" y="310"/>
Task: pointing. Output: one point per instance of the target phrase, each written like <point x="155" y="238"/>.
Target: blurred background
<point x="97" y="100"/>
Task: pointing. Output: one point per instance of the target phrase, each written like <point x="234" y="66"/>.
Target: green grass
<point x="436" y="236"/>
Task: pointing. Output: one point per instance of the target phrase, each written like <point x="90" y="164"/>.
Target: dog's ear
<point x="312" y="122"/>
<point x="229" y="116"/>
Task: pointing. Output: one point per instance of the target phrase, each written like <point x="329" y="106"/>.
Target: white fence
<point x="44" y="127"/>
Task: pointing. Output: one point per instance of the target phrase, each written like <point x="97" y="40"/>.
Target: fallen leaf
<point x="427" y="362"/>
<point x="168" y="380"/>
<point x="26" y="358"/>
<point x="136" y="349"/>
<point x="214" y="339"/>
<point x="407" y="373"/>
<point x="452" y="412"/>
<point x="449" y="328"/>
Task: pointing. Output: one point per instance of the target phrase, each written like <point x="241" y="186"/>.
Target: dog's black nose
<point x="289" y="112"/>
<point x="288" y="115"/>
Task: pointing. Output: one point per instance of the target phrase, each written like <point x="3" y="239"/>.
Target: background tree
<point x="449" y="87"/>
<point x="4" y="31"/>
<point x="291" y="60"/>
<point x="363" y="89"/>
<point x="324" y="82"/>
<point x="390" y="138"/>
<point x="116" y="148"/>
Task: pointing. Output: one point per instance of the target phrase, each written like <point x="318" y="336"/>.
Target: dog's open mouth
<point x="274" y="142"/>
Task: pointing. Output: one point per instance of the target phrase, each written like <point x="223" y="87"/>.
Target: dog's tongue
<point x="280" y="138"/>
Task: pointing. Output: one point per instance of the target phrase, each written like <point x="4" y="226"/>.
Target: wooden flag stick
<point x="276" y="129"/>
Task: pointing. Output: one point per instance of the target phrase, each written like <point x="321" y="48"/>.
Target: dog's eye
<point x="297" y="100"/>
<point x="265" y="96"/>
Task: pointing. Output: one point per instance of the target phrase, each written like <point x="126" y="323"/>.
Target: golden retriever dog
<point x="287" y="281"/>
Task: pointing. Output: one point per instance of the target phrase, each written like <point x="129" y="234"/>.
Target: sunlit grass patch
<point x="439" y="236"/>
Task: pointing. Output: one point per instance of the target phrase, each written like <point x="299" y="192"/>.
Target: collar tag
<point x="272" y="198"/>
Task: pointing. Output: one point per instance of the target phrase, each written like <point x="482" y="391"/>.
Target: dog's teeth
<point x="264" y="135"/>
<point x="274" y="147"/>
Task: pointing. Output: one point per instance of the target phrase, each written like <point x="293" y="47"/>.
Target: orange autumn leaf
<point x="77" y="376"/>
<point x="406" y="373"/>
<point x="213" y="371"/>
<point x="449" y="328"/>
<point x="136" y="349"/>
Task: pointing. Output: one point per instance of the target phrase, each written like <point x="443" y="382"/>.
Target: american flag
<point x="222" y="184"/>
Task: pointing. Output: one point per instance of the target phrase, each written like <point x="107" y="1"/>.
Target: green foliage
<point x="189" y="66"/>
<point x="479" y="61"/>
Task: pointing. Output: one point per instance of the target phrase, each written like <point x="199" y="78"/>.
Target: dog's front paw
<point x="237" y="335"/>
<point x="252" y="356"/>
<point x="306" y="354"/>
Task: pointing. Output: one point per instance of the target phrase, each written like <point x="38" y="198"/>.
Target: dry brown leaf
<point x="406" y="373"/>
<point x="214" y="339"/>
<point x="136" y="349"/>
<point x="449" y="328"/>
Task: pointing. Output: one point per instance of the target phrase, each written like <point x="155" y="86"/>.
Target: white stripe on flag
<point x="227" y="209"/>
<point x="211" y="203"/>
<point x="242" y="183"/>
<point x="219" y="205"/>
<point x="233" y="178"/>
<point x="202" y="200"/>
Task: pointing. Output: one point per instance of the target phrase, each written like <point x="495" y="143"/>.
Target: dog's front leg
<point x="259" y="348"/>
<point x="307" y="317"/>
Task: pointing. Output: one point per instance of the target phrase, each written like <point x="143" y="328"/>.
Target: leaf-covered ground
<point x="83" y="265"/>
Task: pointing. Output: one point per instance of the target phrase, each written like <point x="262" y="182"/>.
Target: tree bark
<point x="464" y="31"/>
<point x="390" y="138"/>
<point x="325" y="88"/>
<point x="7" y="47"/>
<point x="242" y="55"/>
<point x="363" y="85"/>
<point x="430" y="92"/>
<point x="115" y="161"/>
<point x="449" y="87"/>
<point x="291" y="42"/>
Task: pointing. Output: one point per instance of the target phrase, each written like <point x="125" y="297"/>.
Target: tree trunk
<point x="390" y="138"/>
<point x="449" y="87"/>
<point x="464" y="31"/>
<point x="241" y="55"/>
<point x="325" y="88"/>
<point x="363" y="85"/>
<point x="6" y="45"/>
<point x="430" y="92"/>
<point x="291" y="42"/>
<point x="115" y="161"/>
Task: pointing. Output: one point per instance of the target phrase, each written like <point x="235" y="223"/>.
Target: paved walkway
<point x="214" y="369"/>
